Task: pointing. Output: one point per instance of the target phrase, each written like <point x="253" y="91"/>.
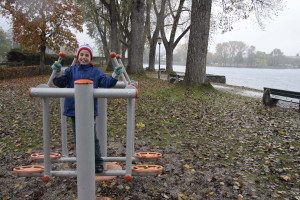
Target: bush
<point x="26" y="71"/>
<point x="18" y="55"/>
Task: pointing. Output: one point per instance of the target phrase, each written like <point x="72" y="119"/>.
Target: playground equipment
<point x="84" y="95"/>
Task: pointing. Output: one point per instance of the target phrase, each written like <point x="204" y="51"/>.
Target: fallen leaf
<point x="29" y="151"/>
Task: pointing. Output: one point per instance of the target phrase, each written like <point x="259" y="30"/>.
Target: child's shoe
<point x="98" y="169"/>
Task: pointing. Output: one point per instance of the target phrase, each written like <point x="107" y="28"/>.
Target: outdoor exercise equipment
<point x="84" y="95"/>
<point x="116" y="59"/>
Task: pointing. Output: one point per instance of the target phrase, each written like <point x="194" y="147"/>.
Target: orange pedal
<point x="148" y="155"/>
<point x="147" y="168"/>
<point x="30" y="169"/>
<point x="40" y="156"/>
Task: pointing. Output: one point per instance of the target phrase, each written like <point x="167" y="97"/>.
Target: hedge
<point x="18" y="55"/>
<point x="34" y="70"/>
<point x="26" y="71"/>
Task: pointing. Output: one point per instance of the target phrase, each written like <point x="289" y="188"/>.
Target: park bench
<point x="13" y="64"/>
<point x="272" y="96"/>
<point x="175" y="78"/>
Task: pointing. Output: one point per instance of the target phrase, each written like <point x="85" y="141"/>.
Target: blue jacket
<point x="78" y="72"/>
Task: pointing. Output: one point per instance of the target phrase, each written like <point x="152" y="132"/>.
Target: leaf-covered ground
<point x="214" y="145"/>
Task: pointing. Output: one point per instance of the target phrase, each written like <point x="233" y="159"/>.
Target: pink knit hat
<point x="85" y="47"/>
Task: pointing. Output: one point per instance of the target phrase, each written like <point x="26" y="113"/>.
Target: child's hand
<point x="119" y="70"/>
<point x="56" y="66"/>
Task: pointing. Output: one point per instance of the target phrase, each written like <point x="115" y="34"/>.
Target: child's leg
<point x="98" y="159"/>
<point x="74" y="130"/>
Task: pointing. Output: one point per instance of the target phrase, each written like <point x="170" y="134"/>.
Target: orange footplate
<point x="40" y="156"/>
<point x="148" y="155"/>
<point x="147" y="168"/>
<point x="30" y="169"/>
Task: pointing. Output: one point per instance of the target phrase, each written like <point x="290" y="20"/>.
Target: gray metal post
<point x="116" y="63"/>
<point x="46" y="136"/>
<point x="64" y="137"/>
<point x="61" y="56"/>
<point x="133" y="123"/>
<point x="74" y="61"/>
<point x="125" y="72"/>
<point x="101" y="126"/>
<point x="129" y="135"/>
<point x="85" y="149"/>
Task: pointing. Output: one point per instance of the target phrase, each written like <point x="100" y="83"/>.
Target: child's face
<point x="84" y="57"/>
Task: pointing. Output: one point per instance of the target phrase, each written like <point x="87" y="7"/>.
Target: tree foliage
<point x="44" y="23"/>
<point x="227" y="12"/>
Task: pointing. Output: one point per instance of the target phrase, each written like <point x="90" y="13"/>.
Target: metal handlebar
<point x="61" y="56"/>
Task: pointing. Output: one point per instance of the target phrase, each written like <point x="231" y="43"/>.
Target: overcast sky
<point x="282" y="32"/>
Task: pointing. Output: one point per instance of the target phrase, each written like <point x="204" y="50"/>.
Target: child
<point x="85" y="70"/>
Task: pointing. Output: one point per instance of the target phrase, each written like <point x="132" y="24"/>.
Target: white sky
<point x="282" y="32"/>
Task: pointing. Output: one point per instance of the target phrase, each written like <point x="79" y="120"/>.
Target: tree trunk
<point x="152" y="52"/>
<point x="136" y="38"/>
<point x="114" y="40"/>
<point x="169" y="58"/>
<point x="42" y="59"/>
<point x="153" y="40"/>
<point x="198" y="42"/>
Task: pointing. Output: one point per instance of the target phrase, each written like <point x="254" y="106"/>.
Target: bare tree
<point x="173" y="41"/>
<point x="97" y="22"/>
<point x="153" y="39"/>
<point x="111" y="6"/>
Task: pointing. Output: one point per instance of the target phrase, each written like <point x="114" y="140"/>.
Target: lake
<point x="256" y="78"/>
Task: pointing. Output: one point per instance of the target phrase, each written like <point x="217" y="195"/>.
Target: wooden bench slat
<point x="271" y="96"/>
<point x="285" y="93"/>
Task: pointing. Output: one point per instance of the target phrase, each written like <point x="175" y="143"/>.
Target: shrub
<point x="18" y="72"/>
<point x="18" y="55"/>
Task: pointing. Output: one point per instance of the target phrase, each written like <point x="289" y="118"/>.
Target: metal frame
<point x="84" y="95"/>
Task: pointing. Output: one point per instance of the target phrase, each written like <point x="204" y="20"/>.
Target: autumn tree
<point x="222" y="54"/>
<point x="42" y="24"/>
<point x="251" y="56"/>
<point x="276" y="57"/>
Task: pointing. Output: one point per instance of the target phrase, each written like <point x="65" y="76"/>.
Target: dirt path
<point x="248" y="92"/>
